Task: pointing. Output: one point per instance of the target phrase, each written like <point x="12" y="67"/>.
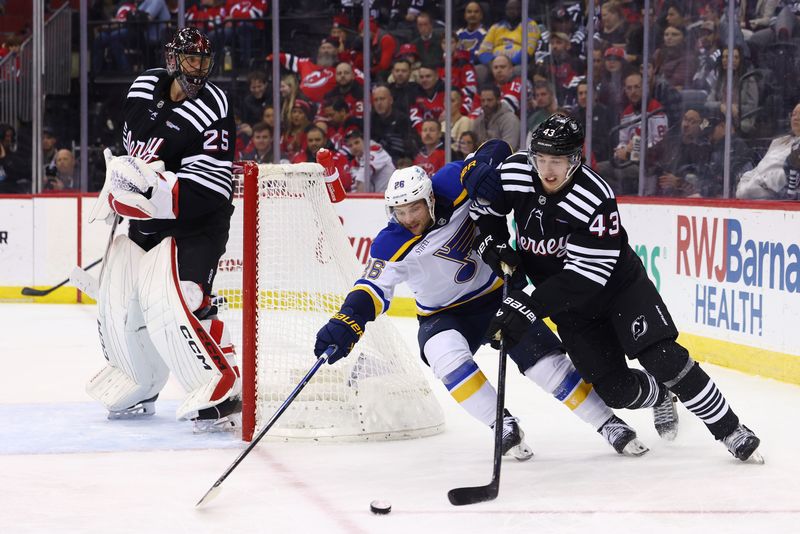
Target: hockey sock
<point x="469" y="387"/>
<point x="701" y="396"/>
<point x="650" y="391"/>
<point x="556" y="375"/>
<point x="631" y="389"/>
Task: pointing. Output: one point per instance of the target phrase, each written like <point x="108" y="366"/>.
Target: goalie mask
<point x="189" y="58"/>
<point x="558" y="135"/>
<point x="406" y="186"/>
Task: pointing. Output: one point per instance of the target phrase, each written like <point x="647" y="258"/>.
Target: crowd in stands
<point x="322" y="84"/>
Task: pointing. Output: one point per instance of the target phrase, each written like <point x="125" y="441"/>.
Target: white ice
<point x="65" y="468"/>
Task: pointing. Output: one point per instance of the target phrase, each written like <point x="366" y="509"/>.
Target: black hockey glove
<point x="495" y="253"/>
<point x="343" y="330"/>
<point x="513" y="319"/>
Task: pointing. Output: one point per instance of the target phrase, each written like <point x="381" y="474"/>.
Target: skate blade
<point x="229" y="423"/>
<point x="131" y="414"/>
<point x="635" y="448"/>
<point x="755" y="458"/>
<point x="521" y="452"/>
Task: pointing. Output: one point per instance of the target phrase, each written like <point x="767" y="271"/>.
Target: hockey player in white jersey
<point x="427" y="243"/>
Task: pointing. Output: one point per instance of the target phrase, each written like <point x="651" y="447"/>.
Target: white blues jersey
<point x="195" y="138"/>
<point x="439" y="266"/>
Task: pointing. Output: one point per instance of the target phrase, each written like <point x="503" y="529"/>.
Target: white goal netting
<point x="303" y="266"/>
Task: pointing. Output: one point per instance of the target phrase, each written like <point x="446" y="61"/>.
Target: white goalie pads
<point x="191" y="350"/>
<point x="134" y="371"/>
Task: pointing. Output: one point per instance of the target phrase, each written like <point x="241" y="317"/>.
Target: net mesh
<point x="305" y="268"/>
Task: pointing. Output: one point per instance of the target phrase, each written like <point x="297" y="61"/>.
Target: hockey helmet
<point x="190" y="58"/>
<point x="406" y="186"/>
<point x="558" y="135"/>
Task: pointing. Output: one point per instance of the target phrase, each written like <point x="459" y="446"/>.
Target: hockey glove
<point x="513" y="319"/>
<point x="479" y="176"/>
<point x="139" y="190"/>
<point x="343" y="331"/>
<point x="495" y="253"/>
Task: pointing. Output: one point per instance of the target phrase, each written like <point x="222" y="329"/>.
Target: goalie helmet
<point x="189" y="58"/>
<point x="409" y="185"/>
<point x="558" y="135"/>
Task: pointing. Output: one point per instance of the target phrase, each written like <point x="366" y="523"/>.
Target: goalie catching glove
<point x="513" y="319"/>
<point x="138" y="191"/>
<point x="342" y="331"/>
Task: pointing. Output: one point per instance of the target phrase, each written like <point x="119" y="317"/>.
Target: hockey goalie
<point x="174" y="186"/>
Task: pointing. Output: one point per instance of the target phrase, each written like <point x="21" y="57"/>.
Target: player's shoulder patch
<point x="392" y="243"/>
<point x="447" y="183"/>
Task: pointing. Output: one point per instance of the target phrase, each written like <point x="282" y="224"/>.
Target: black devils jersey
<point x="195" y="139"/>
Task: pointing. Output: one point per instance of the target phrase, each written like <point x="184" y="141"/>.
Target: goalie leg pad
<point x="134" y="371"/>
<point x="451" y="360"/>
<point x="190" y="350"/>
<point x="556" y="375"/>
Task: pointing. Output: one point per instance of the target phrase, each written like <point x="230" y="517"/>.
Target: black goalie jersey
<point x="195" y="140"/>
<point x="572" y="243"/>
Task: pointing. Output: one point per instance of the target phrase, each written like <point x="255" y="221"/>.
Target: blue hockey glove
<point x="513" y="319"/>
<point x="343" y="330"/>
<point x="495" y="252"/>
<point x="479" y="176"/>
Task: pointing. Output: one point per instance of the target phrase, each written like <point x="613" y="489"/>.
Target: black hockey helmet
<point x="190" y="58"/>
<point x="558" y="135"/>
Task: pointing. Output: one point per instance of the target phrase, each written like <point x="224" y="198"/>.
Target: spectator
<point x="255" y="102"/>
<point x="745" y="92"/>
<point x="316" y="79"/>
<point x="316" y="139"/>
<point x="157" y="13"/>
<point x="459" y="122"/>
<point x="382" y="50"/>
<point x="544" y="98"/>
<point x="294" y="138"/>
<point x="289" y="92"/>
<point x="348" y="89"/>
<point x="771" y="27"/>
<point x="340" y="30"/>
<point x="569" y="20"/>
<point x="769" y="178"/>
<point x="681" y="162"/>
<point x="64" y="175"/>
<point x="613" y="27"/>
<point x="431" y="155"/>
<point x="404" y="91"/>
<point x="602" y="122"/>
<point x="610" y="90"/>
<point x="12" y="168"/>
<point x="428" y="46"/>
<point x="430" y="101"/>
<point x="467" y="144"/>
<point x="496" y="121"/>
<point x="338" y="122"/>
<point x="463" y="76"/>
<point x="471" y="35"/>
<point x="564" y="67"/>
<point x="208" y="17"/>
<point x="380" y="162"/>
<point x="673" y="61"/>
<point x="391" y="128"/>
<point x="509" y="84"/>
<point x="49" y="147"/>
<point x="505" y="37"/>
<point x="708" y="55"/>
<point x="268" y="116"/>
<point x="113" y="38"/>
<point x="261" y="149"/>
<point x="243" y="25"/>
<point x="669" y="97"/>
<point x="741" y="157"/>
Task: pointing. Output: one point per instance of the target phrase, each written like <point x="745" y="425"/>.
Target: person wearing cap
<point x="380" y="162"/>
<point x="505" y="37"/>
<point x="49" y="147"/>
<point x="564" y="66"/>
<point x="708" y="54"/>
<point x="294" y="139"/>
<point x="428" y="46"/>
<point x="609" y="89"/>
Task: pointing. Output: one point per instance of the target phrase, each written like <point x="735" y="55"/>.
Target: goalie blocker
<point x="150" y="323"/>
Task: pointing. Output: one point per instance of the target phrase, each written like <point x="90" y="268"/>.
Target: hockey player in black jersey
<point x="174" y="186"/>
<point x="588" y="280"/>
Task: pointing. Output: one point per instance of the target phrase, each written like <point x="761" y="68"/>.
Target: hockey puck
<point x="380" y="507"/>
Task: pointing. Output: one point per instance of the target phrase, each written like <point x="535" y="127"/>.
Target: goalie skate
<point x="622" y="437"/>
<point x="513" y="437"/>
<point x="145" y="407"/>
<point x="224" y="417"/>
<point x="665" y="416"/>
<point x="743" y="444"/>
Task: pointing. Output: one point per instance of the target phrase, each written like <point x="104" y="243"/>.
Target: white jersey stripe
<point x="213" y="116"/>
<point x="575" y="213"/>
<point x="588" y="195"/>
<point x="206" y="158"/>
<point x="222" y="98"/>
<point x="143" y="85"/>
<point x="588" y="267"/>
<point x="521" y="188"/>
<point x="146" y="78"/>
<point x="139" y="94"/>
<point x="604" y="187"/>
<point x="189" y="118"/>
<point x="586" y="274"/>
<point x="573" y="199"/>
<point x="197" y="112"/>
<point x="205" y="183"/>
<point x="592" y="251"/>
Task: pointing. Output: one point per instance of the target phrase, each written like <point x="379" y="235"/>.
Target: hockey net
<point x="287" y="269"/>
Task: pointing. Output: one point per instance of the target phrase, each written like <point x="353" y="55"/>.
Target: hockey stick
<point x="475" y="494"/>
<point x="214" y="490"/>
<point x="32" y="292"/>
<point x="84" y="281"/>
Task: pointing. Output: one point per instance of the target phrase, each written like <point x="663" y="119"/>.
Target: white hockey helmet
<point x="409" y="185"/>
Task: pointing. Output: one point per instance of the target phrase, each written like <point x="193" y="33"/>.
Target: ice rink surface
<point x="65" y="468"/>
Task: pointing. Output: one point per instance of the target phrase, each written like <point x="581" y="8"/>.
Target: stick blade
<point x="32" y="292"/>
<point x="472" y="495"/>
<point x="210" y="495"/>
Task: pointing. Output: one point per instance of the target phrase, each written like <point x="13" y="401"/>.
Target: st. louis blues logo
<point x="638" y="327"/>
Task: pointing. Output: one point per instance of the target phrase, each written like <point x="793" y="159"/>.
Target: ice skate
<point x="513" y="438"/>
<point x="665" y="416"/>
<point x="224" y="417"/>
<point x="622" y="437"/>
<point x="140" y="409"/>
<point x="743" y="444"/>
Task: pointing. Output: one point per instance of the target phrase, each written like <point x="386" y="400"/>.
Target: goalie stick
<point x="475" y="494"/>
<point x="33" y="292"/>
<point x="214" y="490"/>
